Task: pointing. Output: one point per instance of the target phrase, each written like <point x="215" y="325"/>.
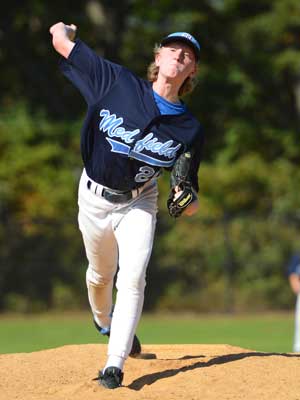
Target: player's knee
<point x="96" y="279"/>
<point x="132" y="283"/>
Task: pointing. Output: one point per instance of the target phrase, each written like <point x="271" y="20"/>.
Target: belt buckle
<point x="114" y="197"/>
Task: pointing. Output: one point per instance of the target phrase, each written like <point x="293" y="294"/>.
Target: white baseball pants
<point x="296" y="347"/>
<point x="117" y="235"/>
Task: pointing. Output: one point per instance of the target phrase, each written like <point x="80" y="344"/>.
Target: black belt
<point x="114" y="196"/>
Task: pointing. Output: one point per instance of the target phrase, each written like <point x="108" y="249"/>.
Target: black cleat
<point x="103" y="331"/>
<point x="136" y="348"/>
<point x="112" y="378"/>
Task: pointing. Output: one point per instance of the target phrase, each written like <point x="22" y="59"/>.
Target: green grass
<point x="262" y="332"/>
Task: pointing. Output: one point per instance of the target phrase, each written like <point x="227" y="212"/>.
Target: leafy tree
<point x="38" y="174"/>
<point x="248" y="101"/>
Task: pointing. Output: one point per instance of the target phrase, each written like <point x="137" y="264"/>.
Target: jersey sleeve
<point x="90" y="73"/>
<point x="196" y="152"/>
<point x="294" y="265"/>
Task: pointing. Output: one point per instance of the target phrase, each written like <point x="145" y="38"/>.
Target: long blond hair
<point x="152" y="73"/>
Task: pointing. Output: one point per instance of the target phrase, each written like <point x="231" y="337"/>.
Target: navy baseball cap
<point x="183" y="37"/>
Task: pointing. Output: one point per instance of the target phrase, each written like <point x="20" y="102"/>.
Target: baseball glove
<point x="182" y="193"/>
<point x="177" y="204"/>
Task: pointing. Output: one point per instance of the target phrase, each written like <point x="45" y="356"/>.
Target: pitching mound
<point x="165" y="372"/>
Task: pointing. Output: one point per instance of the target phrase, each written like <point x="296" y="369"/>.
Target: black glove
<point x="180" y="179"/>
<point x="186" y="197"/>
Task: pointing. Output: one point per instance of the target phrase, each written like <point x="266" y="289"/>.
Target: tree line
<point x="233" y="254"/>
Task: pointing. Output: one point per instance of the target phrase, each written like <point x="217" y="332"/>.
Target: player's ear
<point x="194" y="71"/>
<point x="157" y="58"/>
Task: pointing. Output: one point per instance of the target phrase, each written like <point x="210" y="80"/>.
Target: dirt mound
<point x="166" y="372"/>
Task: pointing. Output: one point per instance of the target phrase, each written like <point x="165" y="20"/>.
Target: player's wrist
<point x="191" y="208"/>
<point x="61" y="38"/>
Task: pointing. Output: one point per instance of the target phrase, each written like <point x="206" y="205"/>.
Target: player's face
<point x="176" y="61"/>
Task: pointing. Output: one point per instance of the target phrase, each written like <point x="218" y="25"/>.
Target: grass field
<point x="262" y="332"/>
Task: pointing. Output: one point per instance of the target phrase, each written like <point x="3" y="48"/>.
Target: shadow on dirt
<point x="149" y="379"/>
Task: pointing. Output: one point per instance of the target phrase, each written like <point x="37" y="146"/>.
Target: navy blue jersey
<point x="294" y="265"/>
<point x="125" y="141"/>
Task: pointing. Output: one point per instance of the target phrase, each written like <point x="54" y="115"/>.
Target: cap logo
<point x="187" y="36"/>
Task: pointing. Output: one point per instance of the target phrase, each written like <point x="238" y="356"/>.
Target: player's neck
<point x="166" y="90"/>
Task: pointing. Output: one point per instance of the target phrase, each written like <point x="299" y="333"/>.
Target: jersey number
<point x="145" y="174"/>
